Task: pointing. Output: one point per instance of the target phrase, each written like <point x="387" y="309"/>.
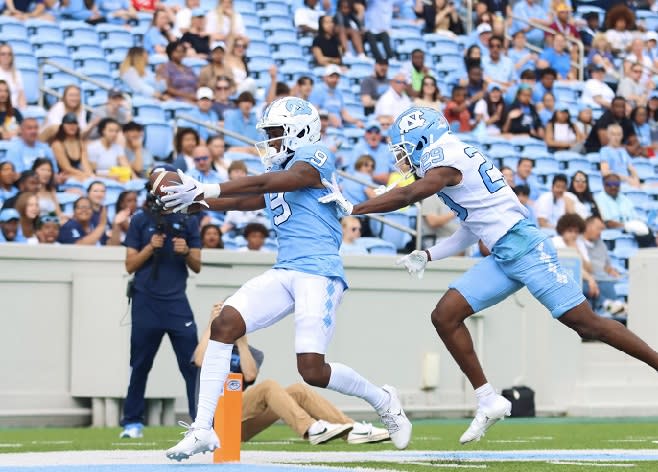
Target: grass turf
<point x="512" y="434"/>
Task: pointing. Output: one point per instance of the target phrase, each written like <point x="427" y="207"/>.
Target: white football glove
<point x="414" y="263"/>
<point x="182" y="195"/>
<point x="343" y="206"/>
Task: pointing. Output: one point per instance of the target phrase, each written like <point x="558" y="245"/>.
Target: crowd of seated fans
<point x="495" y="88"/>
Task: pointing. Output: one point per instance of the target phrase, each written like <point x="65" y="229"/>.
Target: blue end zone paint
<point x="171" y="467"/>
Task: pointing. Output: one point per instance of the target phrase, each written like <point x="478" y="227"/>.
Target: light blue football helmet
<point x="414" y="130"/>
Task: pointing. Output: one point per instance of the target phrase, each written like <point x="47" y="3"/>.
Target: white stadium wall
<point x="66" y="325"/>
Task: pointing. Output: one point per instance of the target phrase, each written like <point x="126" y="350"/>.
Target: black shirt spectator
<point x="200" y="43"/>
<point x="326" y="45"/>
<point x="616" y="114"/>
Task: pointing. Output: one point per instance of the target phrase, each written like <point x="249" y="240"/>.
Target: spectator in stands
<point x="508" y="173"/>
<point x="523" y="194"/>
<point x="204" y="113"/>
<point x="80" y="229"/>
<point x="349" y="27"/>
<point x="216" y="68"/>
<point x="225" y="24"/>
<point x="331" y="141"/>
<point x="429" y="95"/>
<point x="196" y="39"/>
<point x="524" y="176"/>
<point x="222" y="102"/>
<point x="630" y="87"/>
<point x="27" y="182"/>
<point x="615" y="158"/>
<point x="181" y="80"/>
<point x="46" y="192"/>
<point x="546" y="82"/>
<point x="115" y="108"/>
<point x="159" y="34"/>
<point x="600" y="55"/>
<point x="590" y="29"/>
<point x="618" y="212"/>
<point x="255" y="234"/>
<point x="441" y="16"/>
<point x="639" y="117"/>
<point x="546" y="108"/>
<point x="25" y="10"/>
<point x="138" y="77"/>
<point x="25" y="148"/>
<point x="602" y="270"/>
<point x="520" y="55"/>
<point x="497" y="67"/>
<point x="47" y="229"/>
<point x="81" y="11"/>
<point x="378" y="22"/>
<point x="439" y="221"/>
<point x="183" y="18"/>
<point x="351" y="234"/>
<point x="491" y="110"/>
<point x="124" y="209"/>
<point x="416" y="70"/>
<point x="561" y="133"/>
<point x="563" y="24"/>
<point x="327" y="96"/>
<point x="473" y="56"/>
<point x="475" y="85"/>
<point x="619" y="25"/>
<point x="456" y="111"/>
<point x="211" y="237"/>
<point x="186" y="140"/>
<point x="585" y="119"/>
<point x="558" y="58"/>
<point x="10" y="117"/>
<point x="585" y="206"/>
<point x="140" y="158"/>
<point x="242" y="121"/>
<point x="12" y="76"/>
<point x="374" y="86"/>
<point x="71" y="102"/>
<point x="117" y="11"/>
<point x="70" y="150"/>
<point x="96" y="192"/>
<point x="531" y="11"/>
<point x="236" y="61"/>
<point x="8" y="178"/>
<point x="203" y="171"/>
<point x="236" y="220"/>
<point x="550" y="206"/>
<point x="395" y="100"/>
<point x="27" y="206"/>
<point x="598" y="137"/>
<point x="371" y="144"/>
<point x="483" y="34"/>
<point x="638" y="56"/>
<point x="652" y="110"/>
<point x="9" y="219"/>
<point x="218" y="162"/>
<point x="307" y="18"/>
<point x="522" y="117"/>
<point x="364" y="169"/>
<point x="326" y="47"/>
<point x="105" y="152"/>
<point x="304" y="87"/>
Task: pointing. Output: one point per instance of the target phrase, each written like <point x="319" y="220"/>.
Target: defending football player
<point x="307" y="279"/>
<point x="521" y="255"/>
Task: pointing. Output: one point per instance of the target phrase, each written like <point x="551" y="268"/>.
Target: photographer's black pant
<point x="151" y="320"/>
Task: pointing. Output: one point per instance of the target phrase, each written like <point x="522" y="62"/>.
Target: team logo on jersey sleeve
<point x="411" y="121"/>
<point x="298" y="107"/>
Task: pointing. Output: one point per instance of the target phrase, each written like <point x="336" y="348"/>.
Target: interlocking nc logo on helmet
<point x="298" y="107"/>
<point x="234" y="385"/>
<point x="411" y="121"/>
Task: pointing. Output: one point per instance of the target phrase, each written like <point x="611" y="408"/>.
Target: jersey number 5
<point x="277" y="200"/>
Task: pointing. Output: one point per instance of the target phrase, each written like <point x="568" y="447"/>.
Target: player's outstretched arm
<point x="300" y="175"/>
<point x="245" y="203"/>
<point x="452" y="245"/>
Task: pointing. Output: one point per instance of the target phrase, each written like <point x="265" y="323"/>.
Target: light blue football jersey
<point x="308" y="232"/>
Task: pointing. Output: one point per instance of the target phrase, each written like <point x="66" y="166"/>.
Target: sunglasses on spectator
<point x="83" y="207"/>
<point x="49" y="219"/>
<point x="201" y="159"/>
<point x="221" y="87"/>
<point x="612" y="184"/>
<point x="397" y="81"/>
<point x="240" y="45"/>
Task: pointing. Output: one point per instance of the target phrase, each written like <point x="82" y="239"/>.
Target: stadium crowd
<point x="574" y="130"/>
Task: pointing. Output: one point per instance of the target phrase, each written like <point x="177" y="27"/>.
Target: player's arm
<point x="244" y="203"/>
<point x="299" y="176"/>
<point x="433" y="181"/>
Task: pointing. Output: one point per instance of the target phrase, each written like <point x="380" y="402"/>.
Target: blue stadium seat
<point x="195" y="64"/>
<point x="35" y="111"/>
<point x="47" y="49"/>
<point x="73" y="27"/>
<point x="173" y="108"/>
<point x="287" y="49"/>
<point x="644" y="168"/>
<point x="44" y="29"/>
<point x="150" y="112"/>
<point x="258" y="48"/>
<point x="255" y="33"/>
<point x="30" y="84"/>
<point x="244" y="6"/>
<point x="25" y="61"/>
<point x="546" y="166"/>
<point x="158" y="138"/>
<point x="11" y="28"/>
<point x="378" y="246"/>
<point x="281" y="36"/>
<point x="21" y="46"/>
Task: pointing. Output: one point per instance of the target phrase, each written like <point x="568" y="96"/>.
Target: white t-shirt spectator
<point x="57" y="112"/>
<point x="559" y="243"/>
<point x="104" y="158"/>
<point x="309" y="17"/>
<point x="212" y="24"/>
<point x="546" y="207"/>
<point x="390" y="103"/>
<point x="595" y="88"/>
<point x="15" y="83"/>
<point x="182" y="21"/>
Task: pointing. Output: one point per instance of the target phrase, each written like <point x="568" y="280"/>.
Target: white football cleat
<point x="196" y="440"/>
<point x="396" y="422"/>
<point x="366" y="433"/>
<point x="485" y="418"/>
<point x="330" y="431"/>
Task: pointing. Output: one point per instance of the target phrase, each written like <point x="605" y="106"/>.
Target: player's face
<point x="275" y="134"/>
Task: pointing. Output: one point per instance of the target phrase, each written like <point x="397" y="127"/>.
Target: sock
<point x="315" y="428"/>
<point x="485" y="393"/>
<point x="347" y="381"/>
<point x="214" y="370"/>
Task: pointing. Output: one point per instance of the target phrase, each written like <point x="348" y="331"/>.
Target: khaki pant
<point x="297" y="405"/>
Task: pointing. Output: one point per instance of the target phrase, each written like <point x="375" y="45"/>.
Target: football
<point x="163" y="179"/>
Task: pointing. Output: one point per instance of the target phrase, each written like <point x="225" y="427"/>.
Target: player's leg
<point x="259" y="303"/>
<point x="316" y="301"/>
<point x="145" y="337"/>
<point x="481" y="286"/>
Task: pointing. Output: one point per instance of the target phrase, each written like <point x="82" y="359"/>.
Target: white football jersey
<point x="483" y="201"/>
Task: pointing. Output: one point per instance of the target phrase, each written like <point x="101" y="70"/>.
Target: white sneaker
<point x="132" y="431"/>
<point x="196" y="440"/>
<point x="366" y="433"/>
<point x="485" y="418"/>
<point x="330" y="431"/>
<point x="396" y="422"/>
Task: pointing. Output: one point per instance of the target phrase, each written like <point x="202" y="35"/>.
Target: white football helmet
<point x="300" y="121"/>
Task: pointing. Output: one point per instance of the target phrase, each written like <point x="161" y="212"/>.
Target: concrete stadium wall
<point x="66" y="327"/>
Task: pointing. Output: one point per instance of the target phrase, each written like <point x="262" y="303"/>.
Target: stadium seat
<point x="258" y="48"/>
<point x="546" y="166"/>
<point x="27" y="61"/>
<point x="158" y="138"/>
<point x="377" y="246"/>
<point x="44" y="29"/>
<point x="30" y="84"/>
<point x="644" y="168"/>
<point x="12" y="30"/>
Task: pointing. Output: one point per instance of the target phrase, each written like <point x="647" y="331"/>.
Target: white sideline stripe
<point x="587" y="456"/>
<point x="453" y="466"/>
<point x="592" y="464"/>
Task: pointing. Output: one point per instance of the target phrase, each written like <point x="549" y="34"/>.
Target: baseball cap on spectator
<point x="493" y="86"/>
<point x="115" y="92"/>
<point x="653" y="95"/>
<point x="323" y="113"/>
<point x="332" y="69"/>
<point x="651" y="36"/>
<point x="205" y="92"/>
<point x="69" y="118"/>
<point x="596" y="68"/>
<point x="562" y="7"/>
<point x="198" y="12"/>
<point x="561" y="106"/>
<point x="218" y="44"/>
<point x="373" y="125"/>
<point x="483" y="28"/>
<point x="9" y="214"/>
<point x="47" y="219"/>
<point x="525" y="86"/>
<point x="246" y="97"/>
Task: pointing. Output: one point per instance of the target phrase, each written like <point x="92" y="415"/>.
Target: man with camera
<point x="159" y="250"/>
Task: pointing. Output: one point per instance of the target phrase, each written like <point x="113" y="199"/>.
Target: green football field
<point x="532" y="445"/>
